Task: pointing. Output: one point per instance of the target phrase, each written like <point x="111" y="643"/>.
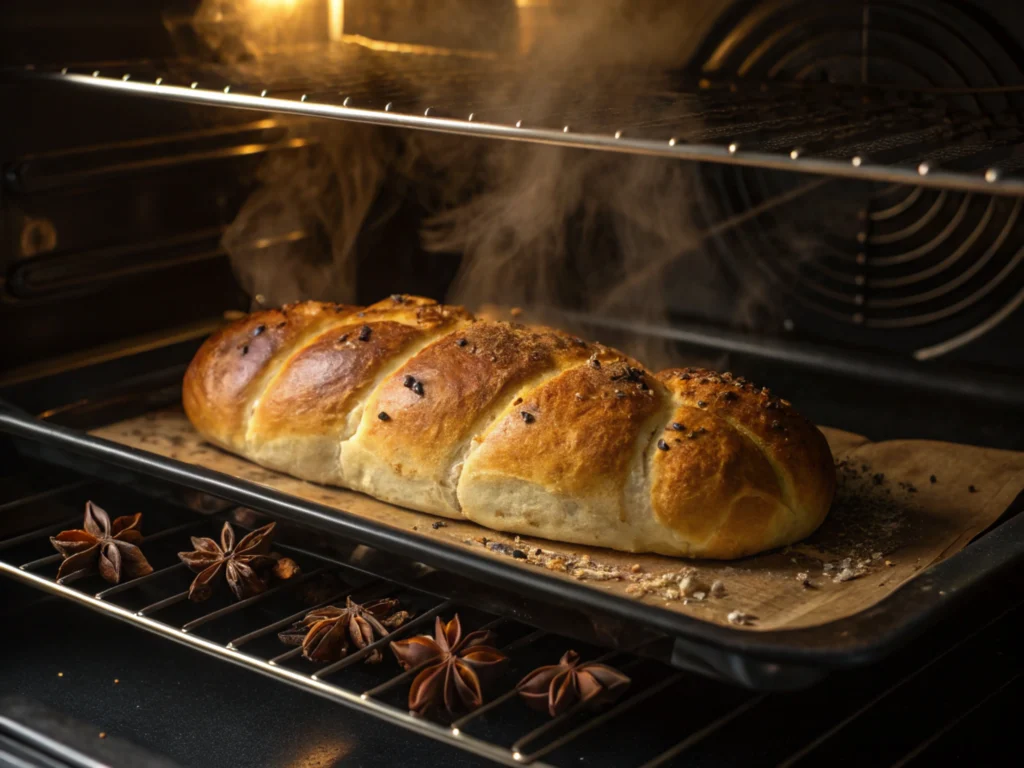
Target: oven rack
<point x="529" y="747"/>
<point x="959" y="139"/>
<point x="682" y="712"/>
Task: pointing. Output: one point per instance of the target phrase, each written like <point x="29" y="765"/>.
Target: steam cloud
<point x="548" y="229"/>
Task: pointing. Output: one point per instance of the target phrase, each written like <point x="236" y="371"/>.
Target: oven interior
<point x="826" y="197"/>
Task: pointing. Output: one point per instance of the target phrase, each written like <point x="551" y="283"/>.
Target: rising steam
<point x="547" y="229"/>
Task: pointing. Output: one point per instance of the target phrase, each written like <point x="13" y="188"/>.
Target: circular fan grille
<point x="882" y="265"/>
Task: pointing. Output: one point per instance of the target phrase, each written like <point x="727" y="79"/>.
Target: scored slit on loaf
<point x="518" y="428"/>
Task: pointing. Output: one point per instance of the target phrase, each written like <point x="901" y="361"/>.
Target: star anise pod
<point x="111" y="547"/>
<point x="240" y="562"/>
<point x="328" y="634"/>
<point x="454" y="666"/>
<point x="557" y="687"/>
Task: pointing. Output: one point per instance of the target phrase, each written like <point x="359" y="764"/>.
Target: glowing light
<point x="335" y="19"/>
<point x="286" y="5"/>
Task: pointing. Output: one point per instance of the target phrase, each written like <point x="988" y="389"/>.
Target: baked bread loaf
<point x="520" y="429"/>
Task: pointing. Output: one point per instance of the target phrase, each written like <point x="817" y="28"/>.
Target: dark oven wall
<point x="113" y="209"/>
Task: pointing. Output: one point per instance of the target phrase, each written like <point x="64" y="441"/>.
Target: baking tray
<point x="777" y="659"/>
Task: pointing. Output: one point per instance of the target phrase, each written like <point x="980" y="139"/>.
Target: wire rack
<point x="666" y="717"/>
<point x="865" y="133"/>
<point x="245" y="633"/>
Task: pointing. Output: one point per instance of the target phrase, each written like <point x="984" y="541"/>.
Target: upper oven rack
<point x="971" y="140"/>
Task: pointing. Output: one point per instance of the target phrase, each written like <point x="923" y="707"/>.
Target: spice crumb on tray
<point x="740" y="618"/>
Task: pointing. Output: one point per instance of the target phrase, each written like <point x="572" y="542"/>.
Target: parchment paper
<point x="902" y="506"/>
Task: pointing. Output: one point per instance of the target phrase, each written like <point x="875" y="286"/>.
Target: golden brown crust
<point x="318" y="387"/>
<point x="712" y="487"/>
<point x="795" y="448"/>
<point x="574" y="435"/>
<point x="229" y="368"/>
<point x="527" y="430"/>
<point x="462" y="377"/>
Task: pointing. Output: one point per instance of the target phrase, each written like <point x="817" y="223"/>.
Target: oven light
<point x="282" y="4"/>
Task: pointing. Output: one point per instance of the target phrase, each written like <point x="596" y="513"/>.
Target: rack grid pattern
<point x="863" y="133"/>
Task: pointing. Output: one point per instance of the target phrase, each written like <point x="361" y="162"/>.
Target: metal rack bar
<point x="126" y="585"/>
<point x="851" y="164"/>
<point x="48" y="493"/>
<point x="159" y="605"/>
<point x="50" y="529"/>
<point x="703" y="733"/>
<point x="242" y="604"/>
<point x="601" y="719"/>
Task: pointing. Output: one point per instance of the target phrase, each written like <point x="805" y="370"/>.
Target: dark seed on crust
<point x="461" y="343"/>
<point x="677" y="427"/>
<point x="662" y="445"/>
<point x="417" y="387"/>
<point x="364" y="333"/>
<point x="527" y="417"/>
<point x="383" y="416"/>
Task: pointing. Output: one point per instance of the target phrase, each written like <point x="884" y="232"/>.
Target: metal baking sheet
<point x="858" y="638"/>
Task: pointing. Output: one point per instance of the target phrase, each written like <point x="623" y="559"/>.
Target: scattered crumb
<point x="636" y="568"/>
<point x="805" y="581"/>
<point x="116" y="681"/>
<point x="515" y="311"/>
<point x="103" y="734"/>
<point x="972" y="489"/>
<point x="876" y="555"/>
<point x="60" y="674"/>
<point x="741" y="619"/>
<point x="933" y="480"/>
<point x="847" y="574"/>
<point x="438" y="524"/>
<point x="690" y="584"/>
<point x="717" y="589"/>
<point x="699" y="595"/>
<point x="890" y="563"/>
